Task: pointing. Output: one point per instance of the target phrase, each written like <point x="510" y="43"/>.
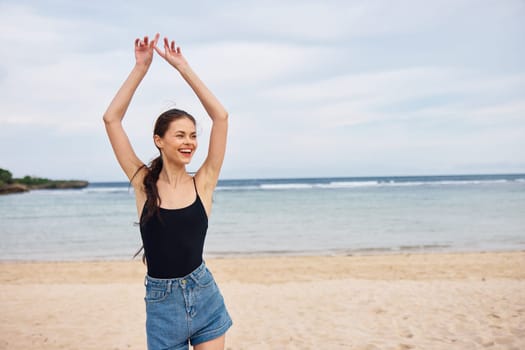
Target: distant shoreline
<point x="10" y="184"/>
<point x="18" y="187"/>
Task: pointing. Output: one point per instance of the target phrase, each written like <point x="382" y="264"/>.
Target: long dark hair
<point x="153" y="170"/>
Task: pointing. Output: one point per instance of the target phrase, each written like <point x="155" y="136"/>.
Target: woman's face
<point x="179" y="142"/>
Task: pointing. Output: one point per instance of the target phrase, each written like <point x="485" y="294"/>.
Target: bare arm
<point x="114" y="115"/>
<point x="208" y="173"/>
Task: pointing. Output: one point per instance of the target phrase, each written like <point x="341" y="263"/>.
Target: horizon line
<point x="343" y="177"/>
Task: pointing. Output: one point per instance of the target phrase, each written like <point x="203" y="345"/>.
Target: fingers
<point x="145" y="42"/>
<point x="161" y="54"/>
<point x="170" y="46"/>
<point x="154" y="42"/>
<point x="141" y="43"/>
<point x="174" y="48"/>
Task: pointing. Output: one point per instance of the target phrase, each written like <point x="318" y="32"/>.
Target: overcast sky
<point x="313" y="88"/>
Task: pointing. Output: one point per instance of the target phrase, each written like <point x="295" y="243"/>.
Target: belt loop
<point x="170" y="283"/>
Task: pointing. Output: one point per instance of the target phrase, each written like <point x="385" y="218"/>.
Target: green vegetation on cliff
<point x="8" y="184"/>
<point x="5" y="177"/>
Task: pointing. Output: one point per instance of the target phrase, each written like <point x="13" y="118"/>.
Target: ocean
<point x="363" y="215"/>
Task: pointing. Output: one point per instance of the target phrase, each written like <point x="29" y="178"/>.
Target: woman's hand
<point x="144" y="50"/>
<point x="172" y="54"/>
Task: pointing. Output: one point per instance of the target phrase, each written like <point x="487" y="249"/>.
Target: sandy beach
<point x="405" y="301"/>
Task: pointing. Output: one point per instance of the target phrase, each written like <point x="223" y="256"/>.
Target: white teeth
<point x="185" y="150"/>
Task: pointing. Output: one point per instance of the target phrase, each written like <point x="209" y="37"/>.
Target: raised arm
<point x="113" y="116"/>
<point x="208" y="173"/>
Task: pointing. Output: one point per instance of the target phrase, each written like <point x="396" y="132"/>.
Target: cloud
<point x="407" y="93"/>
<point x="254" y="63"/>
<point x="335" y="86"/>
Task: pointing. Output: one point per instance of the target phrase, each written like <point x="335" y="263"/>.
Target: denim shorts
<point x="181" y="310"/>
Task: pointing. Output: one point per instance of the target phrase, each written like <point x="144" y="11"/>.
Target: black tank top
<point x="174" y="240"/>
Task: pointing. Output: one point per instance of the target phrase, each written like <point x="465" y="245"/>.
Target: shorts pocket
<point x="155" y="294"/>
<point x="204" y="279"/>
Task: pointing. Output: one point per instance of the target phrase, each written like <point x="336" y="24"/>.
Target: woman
<point x="183" y="302"/>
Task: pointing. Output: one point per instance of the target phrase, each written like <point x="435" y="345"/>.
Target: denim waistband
<point x="195" y="275"/>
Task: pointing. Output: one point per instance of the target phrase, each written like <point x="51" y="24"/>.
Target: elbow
<point x="220" y="117"/>
<point x="223" y="116"/>
<point x="107" y="119"/>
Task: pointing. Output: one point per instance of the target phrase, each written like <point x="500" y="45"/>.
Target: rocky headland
<point x="9" y="185"/>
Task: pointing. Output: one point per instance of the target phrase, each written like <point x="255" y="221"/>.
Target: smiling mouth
<point x="186" y="151"/>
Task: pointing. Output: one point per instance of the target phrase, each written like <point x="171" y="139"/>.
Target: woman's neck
<point x="173" y="173"/>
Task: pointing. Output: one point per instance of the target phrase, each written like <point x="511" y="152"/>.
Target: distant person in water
<point x="183" y="303"/>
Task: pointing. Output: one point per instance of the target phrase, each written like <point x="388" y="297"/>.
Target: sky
<point x="313" y="88"/>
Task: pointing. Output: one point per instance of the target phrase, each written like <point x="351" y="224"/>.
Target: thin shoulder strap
<point x="195" y="185"/>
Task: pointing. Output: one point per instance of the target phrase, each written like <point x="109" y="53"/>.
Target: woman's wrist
<point x="141" y="67"/>
<point x="182" y="68"/>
